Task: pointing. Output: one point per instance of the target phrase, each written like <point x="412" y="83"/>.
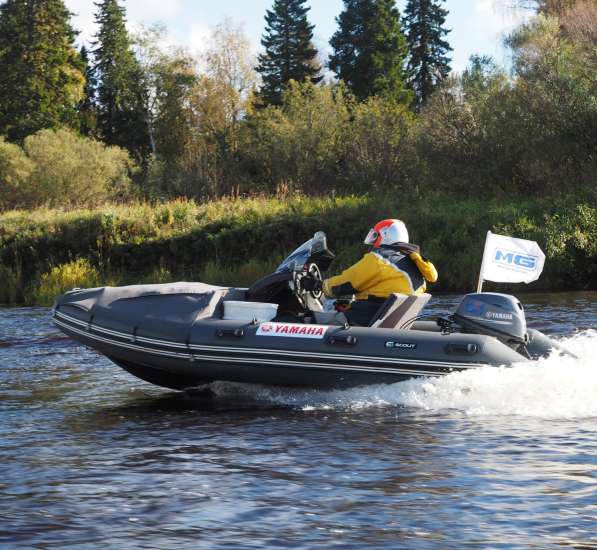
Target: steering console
<point x="306" y="297"/>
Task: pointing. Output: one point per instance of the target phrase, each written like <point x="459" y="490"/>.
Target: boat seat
<point x="217" y="309"/>
<point x="398" y="310"/>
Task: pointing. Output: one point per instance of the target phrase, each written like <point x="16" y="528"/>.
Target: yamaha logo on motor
<point x="502" y="316"/>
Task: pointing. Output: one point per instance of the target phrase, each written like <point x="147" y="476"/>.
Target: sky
<point x="477" y="26"/>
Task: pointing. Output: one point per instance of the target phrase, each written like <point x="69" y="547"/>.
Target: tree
<point x="41" y="80"/>
<point x="196" y="118"/>
<point x="369" y="49"/>
<point x="547" y="7"/>
<point x="122" y="119"/>
<point x="298" y="145"/>
<point x="169" y="77"/>
<point x="289" y="51"/>
<point x="481" y="79"/>
<point x="166" y="77"/>
<point x="377" y="154"/>
<point x="218" y="103"/>
<point x="87" y="107"/>
<point x="230" y="66"/>
<point x="428" y="62"/>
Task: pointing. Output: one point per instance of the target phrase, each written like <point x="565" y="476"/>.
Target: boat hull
<point x="218" y="350"/>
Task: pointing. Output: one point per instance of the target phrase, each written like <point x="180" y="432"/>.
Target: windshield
<point x="297" y="260"/>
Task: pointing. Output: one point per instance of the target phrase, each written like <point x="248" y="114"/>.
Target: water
<point x="504" y="458"/>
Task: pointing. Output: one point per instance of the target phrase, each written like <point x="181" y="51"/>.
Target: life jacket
<point x="381" y="272"/>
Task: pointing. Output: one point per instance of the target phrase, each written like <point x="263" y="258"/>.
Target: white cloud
<point x="489" y="19"/>
<point x="149" y="11"/>
<point x="138" y="12"/>
<point x="481" y="28"/>
<point x="83" y="19"/>
<point x="198" y="41"/>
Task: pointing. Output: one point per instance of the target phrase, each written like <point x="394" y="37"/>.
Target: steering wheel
<point x="304" y="295"/>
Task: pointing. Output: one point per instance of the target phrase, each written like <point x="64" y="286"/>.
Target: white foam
<point x="557" y="387"/>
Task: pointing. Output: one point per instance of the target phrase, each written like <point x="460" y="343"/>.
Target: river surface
<point x="91" y="457"/>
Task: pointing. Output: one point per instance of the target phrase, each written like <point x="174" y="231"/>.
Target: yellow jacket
<point x="382" y="272"/>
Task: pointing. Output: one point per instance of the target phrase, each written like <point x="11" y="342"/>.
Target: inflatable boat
<point x="184" y="335"/>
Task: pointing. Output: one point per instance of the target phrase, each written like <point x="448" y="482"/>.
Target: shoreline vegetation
<point x="235" y="241"/>
<point x="134" y="162"/>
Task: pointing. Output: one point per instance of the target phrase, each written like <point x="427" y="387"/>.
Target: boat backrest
<point x="399" y="310"/>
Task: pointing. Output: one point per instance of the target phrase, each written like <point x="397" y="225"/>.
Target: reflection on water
<point x="93" y="458"/>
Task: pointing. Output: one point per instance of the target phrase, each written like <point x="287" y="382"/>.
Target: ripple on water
<point x="91" y="457"/>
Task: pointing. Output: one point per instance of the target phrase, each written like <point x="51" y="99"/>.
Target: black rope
<point x="416" y="318"/>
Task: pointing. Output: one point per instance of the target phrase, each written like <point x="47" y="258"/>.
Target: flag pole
<point x="480" y="281"/>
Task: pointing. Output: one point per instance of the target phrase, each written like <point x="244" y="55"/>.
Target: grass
<point x="236" y="241"/>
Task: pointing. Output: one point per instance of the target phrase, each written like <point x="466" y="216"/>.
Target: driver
<point x="392" y="265"/>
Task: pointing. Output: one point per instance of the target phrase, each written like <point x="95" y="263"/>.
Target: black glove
<point x="311" y="284"/>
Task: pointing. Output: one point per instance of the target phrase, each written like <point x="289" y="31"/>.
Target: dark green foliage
<point x="289" y="51"/>
<point x="321" y="139"/>
<point x="299" y="144"/>
<point x="174" y="85"/>
<point x="535" y="134"/>
<point x="455" y="143"/>
<point x="181" y="240"/>
<point x="41" y="78"/>
<point x="481" y="77"/>
<point x="428" y="63"/>
<point x="121" y="117"/>
<point x="369" y="50"/>
<point x="88" y="106"/>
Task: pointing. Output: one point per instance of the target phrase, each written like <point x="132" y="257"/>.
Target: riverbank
<point x="233" y="242"/>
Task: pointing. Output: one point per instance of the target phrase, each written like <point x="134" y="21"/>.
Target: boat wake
<point x="557" y="387"/>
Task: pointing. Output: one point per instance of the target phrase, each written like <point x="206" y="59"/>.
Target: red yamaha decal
<point x="292" y="330"/>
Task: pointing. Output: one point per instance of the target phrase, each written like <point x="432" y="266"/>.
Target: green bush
<point x="15" y="173"/>
<point x="377" y="148"/>
<point x="321" y="140"/>
<point x="298" y="144"/>
<point x="534" y="134"/>
<point x="485" y="132"/>
<point x="75" y="274"/>
<point x="72" y="170"/>
<point x="234" y="242"/>
<point x="59" y="168"/>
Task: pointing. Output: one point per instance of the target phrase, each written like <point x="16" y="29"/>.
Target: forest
<point x="124" y="146"/>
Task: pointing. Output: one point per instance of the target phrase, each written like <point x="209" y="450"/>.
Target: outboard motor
<point x="498" y="315"/>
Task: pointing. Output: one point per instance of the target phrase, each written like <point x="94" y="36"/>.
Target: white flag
<point x="510" y="260"/>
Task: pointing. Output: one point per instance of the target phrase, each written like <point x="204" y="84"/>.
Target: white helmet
<point x="387" y="232"/>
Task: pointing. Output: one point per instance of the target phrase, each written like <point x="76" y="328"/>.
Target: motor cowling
<point x="493" y="314"/>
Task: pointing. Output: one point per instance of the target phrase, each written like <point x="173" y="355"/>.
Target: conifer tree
<point x="87" y="107"/>
<point x="41" y="80"/>
<point x="428" y="62"/>
<point x="289" y="51"/>
<point x="369" y="49"/>
<point x="121" y="117"/>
